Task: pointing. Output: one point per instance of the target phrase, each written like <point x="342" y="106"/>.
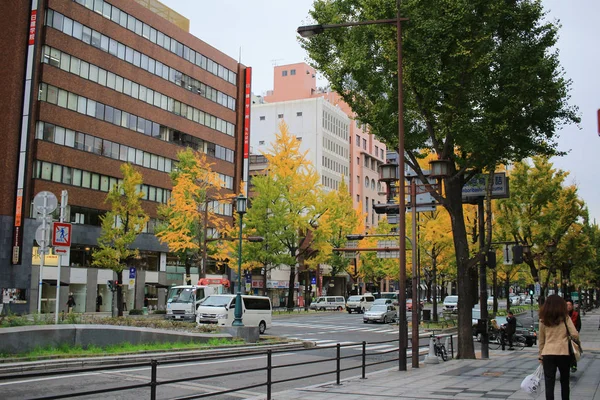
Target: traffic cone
<point x="431" y="358"/>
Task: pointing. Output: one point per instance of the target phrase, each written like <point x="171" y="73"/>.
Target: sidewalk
<point x="499" y="377"/>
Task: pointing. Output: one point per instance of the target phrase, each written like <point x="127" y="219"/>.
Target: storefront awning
<point x="52" y="282"/>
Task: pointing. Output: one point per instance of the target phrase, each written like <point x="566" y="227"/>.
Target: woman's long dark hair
<point x="554" y="310"/>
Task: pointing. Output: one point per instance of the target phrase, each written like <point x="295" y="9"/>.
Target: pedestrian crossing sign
<point x="61" y="234"/>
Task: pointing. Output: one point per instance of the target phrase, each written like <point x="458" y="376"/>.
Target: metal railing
<point x="269" y="370"/>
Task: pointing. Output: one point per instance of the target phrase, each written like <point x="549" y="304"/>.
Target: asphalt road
<point x="324" y="329"/>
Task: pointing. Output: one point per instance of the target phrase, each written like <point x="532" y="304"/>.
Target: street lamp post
<point x="308" y="31"/>
<point x="241" y="203"/>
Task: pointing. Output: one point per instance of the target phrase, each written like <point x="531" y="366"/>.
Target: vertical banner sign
<point x="21" y="173"/>
<point x="247" y="104"/>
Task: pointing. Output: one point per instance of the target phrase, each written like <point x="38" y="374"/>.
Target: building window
<point x="280" y="116"/>
<point x="299" y="114"/>
<point x="284" y="73"/>
<point x="261" y="142"/>
<point x="358" y="140"/>
<point x="367" y="182"/>
<point x="293" y="72"/>
<point x="357" y="160"/>
<point x="299" y="138"/>
<point x="365" y="144"/>
<point x="262" y="118"/>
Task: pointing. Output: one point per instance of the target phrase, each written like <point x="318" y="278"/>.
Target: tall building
<point x="297" y="82"/>
<point x="337" y="144"/>
<point x="89" y="85"/>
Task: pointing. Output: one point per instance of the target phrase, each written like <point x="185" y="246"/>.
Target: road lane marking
<point x="124" y="371"/>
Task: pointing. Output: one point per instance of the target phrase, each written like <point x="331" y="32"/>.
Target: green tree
<point x="482" y="86"/>
<point x="289" y="193"/>
<point x="188" y="214"/>
<point x="541" y="210"/>
<point x="120" y="226"/>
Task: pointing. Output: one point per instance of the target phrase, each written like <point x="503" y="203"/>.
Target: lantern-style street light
<point x="241" y="204"/>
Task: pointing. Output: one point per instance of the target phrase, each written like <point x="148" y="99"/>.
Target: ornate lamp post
<point x="241" y="203"/>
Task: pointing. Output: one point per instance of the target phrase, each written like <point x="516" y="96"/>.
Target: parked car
<point x="385" y="302"/>
<point x="529" y="333"/>
<point x="490" y="301"/>
<point x="514" y="300"/>
<point x="360" y="303"/>
<point x="380" y="313"/>
<point x="409" y="305"/>
<point x="451" y="304"/>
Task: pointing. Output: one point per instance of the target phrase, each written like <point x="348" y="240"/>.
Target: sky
<point x="264" y="33"/>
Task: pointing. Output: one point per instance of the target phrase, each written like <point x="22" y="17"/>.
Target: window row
<point x="126" y="53"/>
<point x="92" y="216"/>
<point x="92" y="144"/>
<point x="115" y="82"/>
<point x="335" y="166"/>
<point x="334" y="125"/>
<point x="335" y="147"/>
<point x="329" y="182"/>
<point x="140" y="28"/>
<point x="90" y="180"/>
<point x="94" y="109"/>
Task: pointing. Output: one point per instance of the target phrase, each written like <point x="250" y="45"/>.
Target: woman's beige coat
<point x="553" y="339"/>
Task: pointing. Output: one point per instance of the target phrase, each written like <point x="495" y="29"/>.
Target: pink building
<point x="298" y="81"/>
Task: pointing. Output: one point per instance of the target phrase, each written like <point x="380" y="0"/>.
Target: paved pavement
<point x="498" y="377"/>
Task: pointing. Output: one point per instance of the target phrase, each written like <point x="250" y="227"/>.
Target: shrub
<point x="136" y="312"/>
<point x="160" y="312"/>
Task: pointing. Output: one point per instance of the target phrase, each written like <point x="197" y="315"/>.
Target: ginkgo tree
<point x="289" y="194"/>
<point x="187" y="214"/>
<point x="120" y="226"/>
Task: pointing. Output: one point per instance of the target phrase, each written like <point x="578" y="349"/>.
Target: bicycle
<point x="497" y="339"/>
<point x="439" y="348"/>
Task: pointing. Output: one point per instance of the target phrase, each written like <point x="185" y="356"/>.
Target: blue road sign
<point x="313" y="280"/>
<point x="132" y="273"/>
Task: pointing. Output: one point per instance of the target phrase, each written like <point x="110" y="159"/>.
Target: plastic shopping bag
<point x="532" y="383"/>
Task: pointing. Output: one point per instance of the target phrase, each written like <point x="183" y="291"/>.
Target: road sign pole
<point x="64" y="198"/>
<point x="42" y="253"/>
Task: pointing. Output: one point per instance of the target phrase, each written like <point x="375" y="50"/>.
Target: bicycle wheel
<point x="494" y="342"/>
<point x="519" y="342"/>
<point x="443" y="352"/>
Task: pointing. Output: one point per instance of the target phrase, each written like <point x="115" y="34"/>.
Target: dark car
<point x="529" y="334"/>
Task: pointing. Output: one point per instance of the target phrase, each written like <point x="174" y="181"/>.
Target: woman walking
<point x="555" y="326"/>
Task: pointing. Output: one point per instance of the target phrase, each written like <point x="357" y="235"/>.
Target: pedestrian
<point x="70" y="302"/>
<point x="146" y="301"/>
<point x="577" y="322"/>
<point x="511" y="328"/>
<point x="98" y="302"/>
<point x="555" y="326"/>
<point x="574" y="315"/>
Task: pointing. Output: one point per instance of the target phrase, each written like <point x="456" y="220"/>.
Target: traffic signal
<point x="517" y="254"/>
<point x="531" y="290"/>
<point x="112" y="285"/>
<point x="491" y="259"/>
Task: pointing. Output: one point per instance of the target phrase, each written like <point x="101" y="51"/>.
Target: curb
<point x="70" y="363"/>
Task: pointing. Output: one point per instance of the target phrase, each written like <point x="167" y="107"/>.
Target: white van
<point x="360" y="303"/>
<point x="219" y="309"/>
<point x="328" y="303"/>
<point x="182" y="301"/>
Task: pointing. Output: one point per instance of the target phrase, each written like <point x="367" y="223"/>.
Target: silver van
<point x="328" y="303"/>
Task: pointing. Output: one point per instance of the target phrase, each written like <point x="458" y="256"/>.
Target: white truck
<point x="183" y="301"/>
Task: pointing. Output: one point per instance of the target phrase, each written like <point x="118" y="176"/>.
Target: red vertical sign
<point x="32" y="24"/>
<point x="247" y="104"/>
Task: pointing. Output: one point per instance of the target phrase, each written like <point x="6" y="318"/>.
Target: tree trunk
<point x="290" y="297"/>
<point x="506" y="290"/>
<point x="434" y="289"/>
<point x="306" y="288"/>
<point x="465" y="273"/>
<point x="120" y="300"/>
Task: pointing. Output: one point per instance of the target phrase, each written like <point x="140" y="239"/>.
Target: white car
<point x="515" y="300"/>
<point x="380" y="313"/>
<point x="451" y="304"/>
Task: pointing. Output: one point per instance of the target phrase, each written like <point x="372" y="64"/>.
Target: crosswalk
<point x="321" y="329"/>
<point x="370" y="348"/>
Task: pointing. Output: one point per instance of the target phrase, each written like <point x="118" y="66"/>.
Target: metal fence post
<point x="269" y="366"/>
<point x="364" y="360"/>
<point x="452" y="346"/>
<point x="338" y="361"/>
<point x="153" y="364"/>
